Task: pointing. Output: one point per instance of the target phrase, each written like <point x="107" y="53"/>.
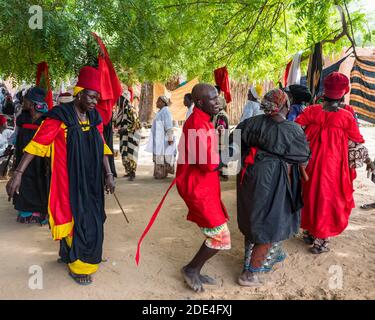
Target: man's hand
<point x="8" y="151"/>
<point x="370" y="165"/>
<point x="221" y="129"/>
<point x="109" y="184"/>
<point x="13" y="185"/>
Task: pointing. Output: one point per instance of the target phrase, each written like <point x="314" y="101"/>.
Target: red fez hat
<point x="3" y="120"/>
<point x="336" y="85"/>
<point x="89" y="78"/>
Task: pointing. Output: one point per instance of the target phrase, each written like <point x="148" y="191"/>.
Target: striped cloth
<point x="128" y="121"/>
<point x="362" y="94"/>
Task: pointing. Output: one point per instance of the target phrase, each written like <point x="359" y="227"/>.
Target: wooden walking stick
<point x="119" y="204"/>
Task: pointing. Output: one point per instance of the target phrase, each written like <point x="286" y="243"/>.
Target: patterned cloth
<point x="358" y="153"/>
<point x="273" y="100"/>
<point x="217" y="238"/>
<point x="127" y="121"/>
<point x="362" y="94"/>
<point x="130" y="166"/>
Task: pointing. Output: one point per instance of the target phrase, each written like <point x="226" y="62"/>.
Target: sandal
<point x="81" y="279"/>
<point x="308" y="238"/>
<point x="320" y="246"/>
<point x="368" y="206"/>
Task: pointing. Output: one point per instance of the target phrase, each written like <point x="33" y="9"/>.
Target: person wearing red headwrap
<point x="269" y="199"/>
<point x="72" y="133"/>
<point x="328" y="194"/>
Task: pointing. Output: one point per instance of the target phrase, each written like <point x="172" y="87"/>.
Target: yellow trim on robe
<point x="61" y="231"/>
<point x="107" y="151"/>
<point x="36" y="149"/>
<point x="78" y="266"/>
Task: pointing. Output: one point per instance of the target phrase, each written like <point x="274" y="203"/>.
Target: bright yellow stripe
<point x="80" y="267"/>
<point x="77" y="90"/>
<point x="36" y="149"/>
<point x="107" y="151"/>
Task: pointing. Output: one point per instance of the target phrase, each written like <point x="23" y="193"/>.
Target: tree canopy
<point x="156" y="39"/>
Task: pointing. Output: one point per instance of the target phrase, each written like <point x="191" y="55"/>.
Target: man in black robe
<point x="32" y="200"/>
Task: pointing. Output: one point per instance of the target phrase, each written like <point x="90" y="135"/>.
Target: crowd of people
<point x="297" y="163"/>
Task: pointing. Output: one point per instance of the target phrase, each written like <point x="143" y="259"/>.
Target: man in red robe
<point x="328" y="194"/>
<point x="198" y="183"/>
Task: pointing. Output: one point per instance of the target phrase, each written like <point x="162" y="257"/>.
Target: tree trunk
<point x="145" y="104"/>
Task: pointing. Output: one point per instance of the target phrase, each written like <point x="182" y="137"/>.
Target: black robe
<point x="33" y="196"/>
<point x="85" y="151"/>
<point x="268" y="204"/>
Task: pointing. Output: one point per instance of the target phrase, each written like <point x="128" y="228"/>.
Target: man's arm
<point x="13" y="186"/>
<point x="109" y="180"/>
<point x="38" y="146"/>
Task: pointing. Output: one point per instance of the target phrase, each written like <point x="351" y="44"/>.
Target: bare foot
<point x="207" y="280"/>
<point x="192" y="280"/>
<point x="249" y="279"/>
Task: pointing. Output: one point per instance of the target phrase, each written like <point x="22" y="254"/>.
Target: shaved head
<point x="205" y="97"/>
<point x="201" y="90"/>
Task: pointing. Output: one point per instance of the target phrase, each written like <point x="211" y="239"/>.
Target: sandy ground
<point x="173" y="241"/>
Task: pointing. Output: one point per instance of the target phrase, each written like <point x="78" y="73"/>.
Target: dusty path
<point x="172" y="242"/>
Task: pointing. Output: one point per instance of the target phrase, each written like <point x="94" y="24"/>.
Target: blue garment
<point x="295" y="111"/>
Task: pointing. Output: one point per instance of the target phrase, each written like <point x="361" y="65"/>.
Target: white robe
<point x="161" y="133"/>
<point x="251" y="109"/>
<point x="6" y="139"/>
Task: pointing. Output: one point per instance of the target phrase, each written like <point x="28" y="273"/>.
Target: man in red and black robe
<point x="73" y="133"/>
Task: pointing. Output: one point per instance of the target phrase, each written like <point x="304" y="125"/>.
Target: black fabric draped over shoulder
<point x="269" y="194"/>
<point x="85" y="151"/>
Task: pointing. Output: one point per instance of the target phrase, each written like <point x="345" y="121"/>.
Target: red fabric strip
<point x="249" y="160"/>
<point x="151" y="222"/>
<point x="30" y="126"/>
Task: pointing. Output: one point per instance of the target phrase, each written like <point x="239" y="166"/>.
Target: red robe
<point x="199" y="184"/>
<point x="328" y="195"/>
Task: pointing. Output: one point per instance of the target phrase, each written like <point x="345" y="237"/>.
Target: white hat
<point x="254" y="92"/>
